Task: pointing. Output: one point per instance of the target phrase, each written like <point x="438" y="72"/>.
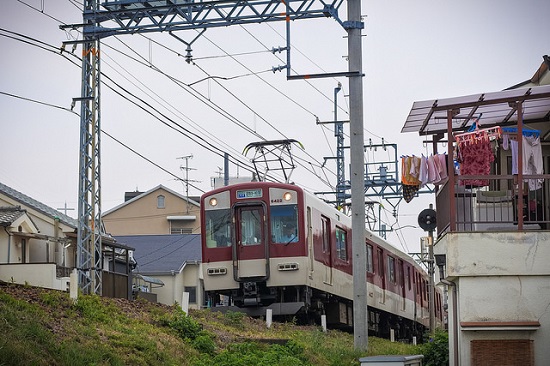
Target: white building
<point x="493" y="242"/>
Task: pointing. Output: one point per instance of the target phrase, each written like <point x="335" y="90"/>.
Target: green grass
<point x="47" y="328"/>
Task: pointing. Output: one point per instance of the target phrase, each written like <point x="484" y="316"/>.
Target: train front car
<point x="254" y="253"/>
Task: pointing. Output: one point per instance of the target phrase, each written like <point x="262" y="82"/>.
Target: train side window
<point x="284" y="224"/>
<point x="380" y="262"/>
<point x="218" y="228"/>
<point x="391" y="269"/>
<point x="325" y="222"/>
<point x="409" y="277"/>
<point x="370" y="265"/>
<point x="341" y="244"/>
<point x="400" y="273"/>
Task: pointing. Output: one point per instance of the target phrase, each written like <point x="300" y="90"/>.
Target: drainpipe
<point x="455" y="320"/>
<point x="173" y="285"/>
<point x="56" y="239"/>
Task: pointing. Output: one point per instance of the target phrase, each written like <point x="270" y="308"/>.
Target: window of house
<point x="341" y="244"/>
<point x="192" y="294"/>
<point x="179" y="231"/>
<point x="370" y="265"/>
<point x="181" y="227"/>
<point x="160" y="201"/>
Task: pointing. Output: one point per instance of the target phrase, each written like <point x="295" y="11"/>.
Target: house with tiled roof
<point x="38" y="247"/>
<point x="167" y="266"/>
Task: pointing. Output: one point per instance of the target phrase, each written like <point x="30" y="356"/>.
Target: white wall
<point x="41" y="275"/>
<point x="500" y="277"/>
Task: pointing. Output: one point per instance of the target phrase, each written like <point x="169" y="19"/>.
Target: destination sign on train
<point x="249" y="193"/>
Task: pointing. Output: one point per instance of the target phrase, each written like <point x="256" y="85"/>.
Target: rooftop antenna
<point x="186" y="181"/>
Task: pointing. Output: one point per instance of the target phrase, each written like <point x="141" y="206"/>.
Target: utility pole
<point x="354" y="25"/>
<point x="431" y="273"/>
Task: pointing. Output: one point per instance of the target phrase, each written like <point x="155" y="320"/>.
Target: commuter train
<point x="275" y="246"/>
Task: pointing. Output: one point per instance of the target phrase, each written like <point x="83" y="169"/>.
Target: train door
<point x="250" y="246"/>
<point x="382" y="272"/>
<point x="401" y="282"/>
<point x="310" y="241"/>
<point x="327" y="250"/>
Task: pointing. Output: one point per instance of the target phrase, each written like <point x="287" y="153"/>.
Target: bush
<point x="234" y="319"/>
<point x="250" y="353"/>
<point x="436" y="350"/>
<point x="185" y="326"/>
<point x="204" y="343"/>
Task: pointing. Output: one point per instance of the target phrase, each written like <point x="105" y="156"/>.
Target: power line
<point x="187" y="131"/>
<point x="181" y="84"/>
<point x="102" y="131"/>
<point x="39" y="102"/>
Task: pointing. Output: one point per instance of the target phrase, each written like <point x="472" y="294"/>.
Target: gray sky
<point x="412" y="50"/>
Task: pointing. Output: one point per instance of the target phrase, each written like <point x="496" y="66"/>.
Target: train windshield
<point x="284" y="224"/>
<point x="218" y="228"/>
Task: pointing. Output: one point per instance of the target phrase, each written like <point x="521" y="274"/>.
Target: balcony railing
<point x="501" y="205"/>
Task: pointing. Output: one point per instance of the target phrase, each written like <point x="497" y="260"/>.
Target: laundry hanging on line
<point x="532" y="161"/>
<point x="417" y="171"/>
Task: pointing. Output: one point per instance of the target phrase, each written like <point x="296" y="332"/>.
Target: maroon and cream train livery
<point x="272" y="245"/>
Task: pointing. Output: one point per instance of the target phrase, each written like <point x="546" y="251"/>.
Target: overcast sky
<point x="229" y="97"/>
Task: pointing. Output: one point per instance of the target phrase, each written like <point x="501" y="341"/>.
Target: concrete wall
<point x="502" y="283"/>
<point x="41" y="275"/>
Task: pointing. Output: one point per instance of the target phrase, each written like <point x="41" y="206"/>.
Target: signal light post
<point x="427" y="221"/>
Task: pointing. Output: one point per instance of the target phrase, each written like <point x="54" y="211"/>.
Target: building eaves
<point x="36" y="205"/>
<point x="8" y="214"/>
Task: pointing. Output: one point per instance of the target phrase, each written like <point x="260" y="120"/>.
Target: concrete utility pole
<point x="431" y="272"/>
<point x="360" y="311"/>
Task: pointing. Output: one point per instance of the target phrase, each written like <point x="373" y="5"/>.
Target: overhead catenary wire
<point x="242" y="102"/>
<point x="251" y="72"/>
<point x="102" y="131"/>
<point x="241" y="163"/>
<point x="312" y="171"/>
<point x="53" y="49"/>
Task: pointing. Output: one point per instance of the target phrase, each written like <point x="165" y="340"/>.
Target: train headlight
<point x="287" y="196"/>
<point x="213" y="201"/>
